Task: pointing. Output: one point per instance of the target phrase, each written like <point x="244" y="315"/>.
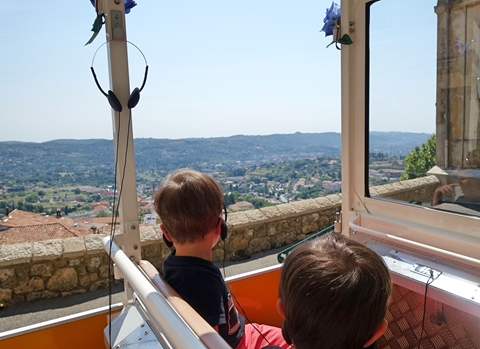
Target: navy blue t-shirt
<point x="200" y="283"/>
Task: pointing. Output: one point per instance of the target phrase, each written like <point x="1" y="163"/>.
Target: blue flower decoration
<point x="332" y="14"/>
<point x="129" y="4"/>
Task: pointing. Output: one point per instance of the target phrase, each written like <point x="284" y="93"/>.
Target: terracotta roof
<point x="242" y="205"/>
<point x="100" y="208"/>
<point x="101" y="203"/>
<point x="32" y="233"/>
<point x="18" y="218"/>
<point x="22" y="226"/>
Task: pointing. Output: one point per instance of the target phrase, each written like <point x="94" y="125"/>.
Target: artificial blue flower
<point x="332" y="14"/>
<point x="129" y="4"/>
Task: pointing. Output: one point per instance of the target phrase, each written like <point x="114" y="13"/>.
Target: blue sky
<point x="217" y="69"/>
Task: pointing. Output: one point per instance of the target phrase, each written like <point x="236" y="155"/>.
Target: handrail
<point x="203" y="330"/>
<point x="413" y="244"/>
<point x="284" y="253"/>
<point x="171" y="324"/>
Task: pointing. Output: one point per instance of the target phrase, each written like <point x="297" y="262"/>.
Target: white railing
<point x="171" y="325"/>
<point x="409" y="243"/>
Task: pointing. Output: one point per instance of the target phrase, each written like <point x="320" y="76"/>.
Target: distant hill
<point x="19" y="159"/>
<point x="395" y="143"/>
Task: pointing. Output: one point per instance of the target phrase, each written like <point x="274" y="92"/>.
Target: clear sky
<point x="217" y="68"/>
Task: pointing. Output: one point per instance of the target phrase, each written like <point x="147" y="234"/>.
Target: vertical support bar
<point x="116" y="37"/>
<point x="353" y="84"/>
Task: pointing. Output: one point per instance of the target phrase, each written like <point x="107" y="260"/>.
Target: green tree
<point x="31" y="198"/>
<point x="420" y="160"/>
<point x="77" y="191"/>
<point x="102" y="214"/>
<point x="228" y="199"/>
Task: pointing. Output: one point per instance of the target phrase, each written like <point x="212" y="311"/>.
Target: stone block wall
<point x="57" y="268"/>
<point x="419" y="190"/>
<point x="63" y="267"/>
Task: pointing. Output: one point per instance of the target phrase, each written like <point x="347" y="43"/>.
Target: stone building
<point x="458" y="84"/>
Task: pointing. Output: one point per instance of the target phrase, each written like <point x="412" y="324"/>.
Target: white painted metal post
<point x="353" y="111"/>
<point x="116" y="37"/>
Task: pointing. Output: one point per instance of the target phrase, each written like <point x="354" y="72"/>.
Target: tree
<point x="228" y="199"/>
<point x="141" y="216"/>
<point x="420" y="160"/>
<point x="31" y="198"/>
<point x="77" y="191"/>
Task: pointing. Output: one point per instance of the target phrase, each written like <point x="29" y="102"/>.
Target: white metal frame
<point x="164" y="320"/>
<point x="454" y="233"/>
<point x="129" y="237"/>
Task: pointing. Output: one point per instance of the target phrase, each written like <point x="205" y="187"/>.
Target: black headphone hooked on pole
<point x="112" y="98"/>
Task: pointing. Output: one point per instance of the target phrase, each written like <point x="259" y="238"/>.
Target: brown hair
<point x="189" y="204"/>
<point x="335" y="293"/>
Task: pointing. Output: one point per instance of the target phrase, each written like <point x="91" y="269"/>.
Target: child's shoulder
<point x="192" y="266"/>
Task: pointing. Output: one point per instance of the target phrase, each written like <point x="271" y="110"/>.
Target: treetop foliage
<point x="420" y="160"/>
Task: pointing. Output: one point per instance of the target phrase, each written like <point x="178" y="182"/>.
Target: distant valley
<point x="262" y="170"/>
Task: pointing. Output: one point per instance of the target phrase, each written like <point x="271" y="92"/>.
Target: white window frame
<point x="450" y="235"/>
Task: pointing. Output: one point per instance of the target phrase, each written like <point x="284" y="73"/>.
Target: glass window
<point x="424" y="86"/>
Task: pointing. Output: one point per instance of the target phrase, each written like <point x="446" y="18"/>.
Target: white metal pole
<point x="177" y="331"/>
<point x="116" y="37"/>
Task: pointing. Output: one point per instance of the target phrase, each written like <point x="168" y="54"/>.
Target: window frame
<point x="454" y="233"/>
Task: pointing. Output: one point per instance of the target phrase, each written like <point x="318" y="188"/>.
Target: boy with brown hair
<point x="333" y="294"/>
<point x="190" y="205"/>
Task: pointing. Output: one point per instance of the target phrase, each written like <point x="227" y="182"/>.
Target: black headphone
<point x="112" y="99"/>
<point x="223" y="229"/>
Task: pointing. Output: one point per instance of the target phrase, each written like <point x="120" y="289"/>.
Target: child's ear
<point x="162" y="228"/>
<point x="218" y="227"/>
<point x="280" y="308"/>
<point x="378" y="333"/>
<point x="165" y="232"/>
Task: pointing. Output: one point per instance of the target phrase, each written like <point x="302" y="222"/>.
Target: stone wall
<point x="419" y="190"/>
<point x="457" y="103"/>
<point x="57" y="268"/>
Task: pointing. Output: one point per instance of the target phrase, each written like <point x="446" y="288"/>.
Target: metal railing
<point x="178" y="333"/>
<point x="283" y="254"/>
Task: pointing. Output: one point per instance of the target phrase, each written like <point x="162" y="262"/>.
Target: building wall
<point x="57" y="268"/>
<point x="458" y="88"/>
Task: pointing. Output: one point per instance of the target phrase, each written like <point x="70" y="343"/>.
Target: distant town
<point x="66" y="188"/>
<point x="90" y="207"/>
